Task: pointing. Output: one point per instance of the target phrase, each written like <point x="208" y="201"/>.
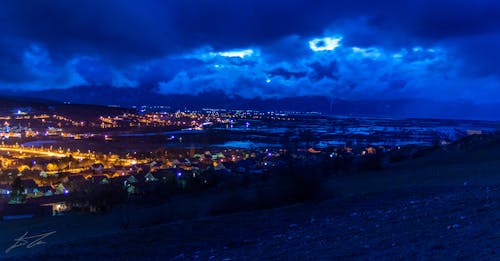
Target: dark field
<point x="441" y="206"/>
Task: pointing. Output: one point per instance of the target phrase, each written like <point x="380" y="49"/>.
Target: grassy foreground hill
<point x="444" y="205"/>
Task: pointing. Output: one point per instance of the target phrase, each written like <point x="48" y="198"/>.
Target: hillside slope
<point x="411" y="224"/>
<point x="444" y="205"/>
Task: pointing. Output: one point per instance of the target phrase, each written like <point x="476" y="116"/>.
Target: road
<point x="41" y="152"/>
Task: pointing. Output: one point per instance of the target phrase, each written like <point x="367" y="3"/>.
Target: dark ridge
<point x="401" y="108"/>
<point x="9" y="105"/>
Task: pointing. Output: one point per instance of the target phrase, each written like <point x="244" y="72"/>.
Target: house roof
<point x="76" y="178"/>
<point x="29" y="183"/>
<point x="44" y="188"/>
<point x="150" y="177"/>
<point x="48" y="199"/>
<point x="132" y="179"/>
<point x="97" y="165"/>
<point x="98" y="178"/>
<point x="120" y="179"/>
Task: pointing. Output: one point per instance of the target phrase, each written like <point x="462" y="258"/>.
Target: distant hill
<point x="402" y="108"/>
<point x="10" y="105"/>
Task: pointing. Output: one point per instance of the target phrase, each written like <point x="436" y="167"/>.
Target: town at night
<point x="249" y="130"/>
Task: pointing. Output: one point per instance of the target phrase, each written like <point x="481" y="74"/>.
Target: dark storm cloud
<point x="117" y="29"/>
<point x="175" y="45"/>
<point x="11" y="61"/>
<point x="481" y="54"/>
<point x="445" y="19"/>
<point x="149" y="73"/>
<point x="286" y="74"/>
<point x="94" y="72"/>
<point x="127" y="29"/>
<point x="321" y="71"/>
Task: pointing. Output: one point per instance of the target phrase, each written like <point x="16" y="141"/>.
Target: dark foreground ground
<point x="440" y="223"/>
<point x="445" y="209"/>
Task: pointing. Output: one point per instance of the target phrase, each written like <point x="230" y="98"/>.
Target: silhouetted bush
<point x="369" y="162"/>
<point x="97" y="197"/>
<point x="283" y="186"/>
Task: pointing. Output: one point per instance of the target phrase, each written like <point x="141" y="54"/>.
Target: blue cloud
<point x="357" y="50"/>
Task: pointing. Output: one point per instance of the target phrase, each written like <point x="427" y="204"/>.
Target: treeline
<point x="295" y="180"/>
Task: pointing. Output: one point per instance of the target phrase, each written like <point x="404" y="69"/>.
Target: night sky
<point x="438" y="50"/>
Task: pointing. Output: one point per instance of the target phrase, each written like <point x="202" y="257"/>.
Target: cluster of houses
<point x="32" y="190"/>
<point x="139" y="177"/>
<point x="42" y="200"/>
